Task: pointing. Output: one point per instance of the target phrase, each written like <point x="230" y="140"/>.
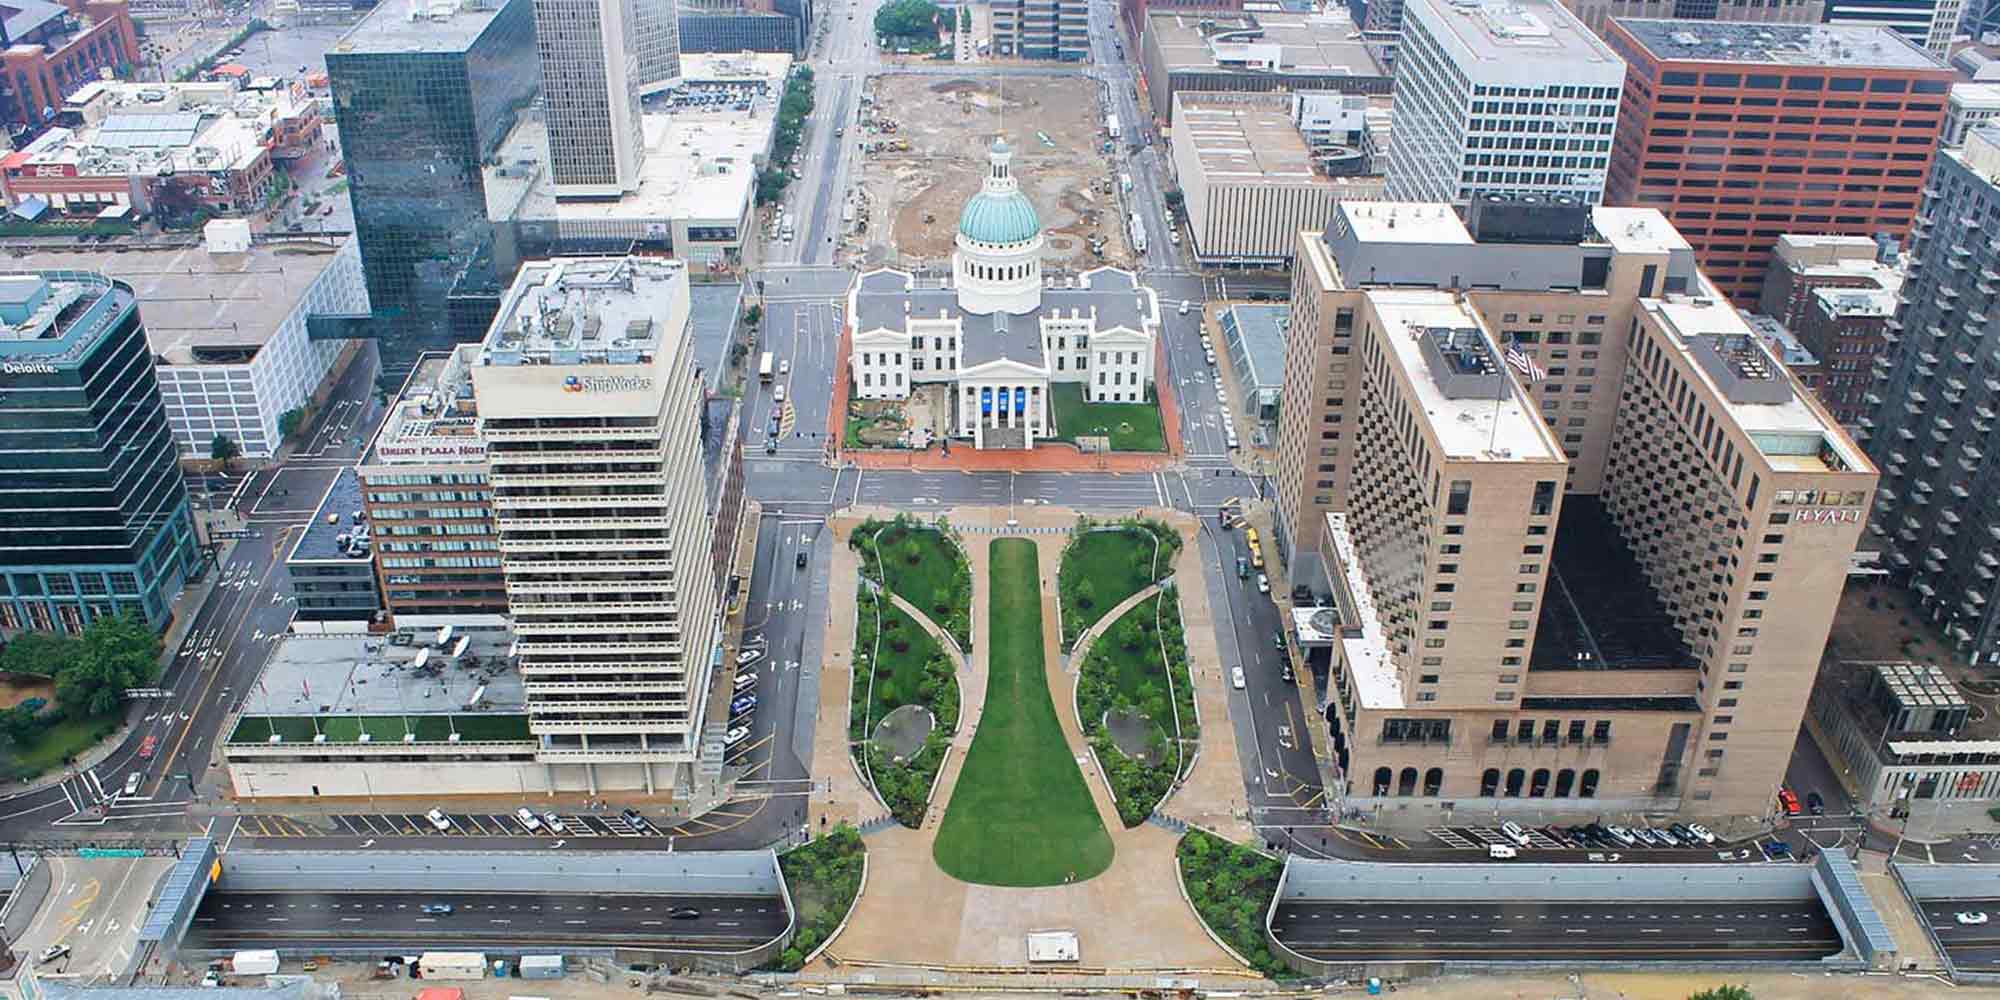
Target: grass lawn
<point x="924" y="568"/>
<point x="1020" y="814"/>
<point x="1131" y="426"/>
<point x="382" y="728"/>
<point x="1103" y="567"/>
<point x="62" y="740"/>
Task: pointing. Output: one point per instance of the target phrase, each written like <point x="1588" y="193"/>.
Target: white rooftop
<point x="1516" y="41"/>
<point x="1976" y="94"/>
<point x="586" y="310"/>
<point x="699" y="165"/>
<point x="1856" y="301"/>
<point x="1637" y="230"/>
<point x="435" y="419"/>
<point x="1788" y="433"/>
<point x="1472" y="429"/>
<point x="1377" y="682"/>
<point x="1405" y="222"/>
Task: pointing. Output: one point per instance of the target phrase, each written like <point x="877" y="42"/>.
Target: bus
<point x="765" y="367"/>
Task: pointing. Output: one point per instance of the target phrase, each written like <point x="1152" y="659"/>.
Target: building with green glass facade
<point x="94" y="515"/>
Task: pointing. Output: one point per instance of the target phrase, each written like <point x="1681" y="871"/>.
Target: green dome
<point x="992" y="217"/>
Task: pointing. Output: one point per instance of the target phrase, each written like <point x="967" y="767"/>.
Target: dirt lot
<point x="912" y="197"/>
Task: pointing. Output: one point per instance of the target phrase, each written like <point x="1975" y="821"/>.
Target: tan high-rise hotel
<point x="1600" y="570"/>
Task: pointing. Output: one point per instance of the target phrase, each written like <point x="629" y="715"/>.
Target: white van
<point x="1501" y="852"/>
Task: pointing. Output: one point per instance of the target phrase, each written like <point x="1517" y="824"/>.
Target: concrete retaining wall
<point x="1950" y="881"/>
<point x="1306" y="879"/>
<point x="748" y="873"/>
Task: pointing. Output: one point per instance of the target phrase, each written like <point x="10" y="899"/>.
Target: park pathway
<point x="912" y="912"/>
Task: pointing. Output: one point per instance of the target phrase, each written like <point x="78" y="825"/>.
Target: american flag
<point x="1521" y="363"/>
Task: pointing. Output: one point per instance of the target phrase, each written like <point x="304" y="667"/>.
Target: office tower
<point x="1803" y="129"/>
<point x="422" y="101"/>
<point x="590" y="97"/>
<point x="1515" y="98"/>
<point x="657" y="37"/>
<point x="1042" y="29"/>
<point x="590" y="403"/>
<point x="1933" y="412"/>
<point x="94" y="515"/>
<point x="1572" y="519"/>
<point x="1598" y="13"/>
<point x="1930" y="24"/>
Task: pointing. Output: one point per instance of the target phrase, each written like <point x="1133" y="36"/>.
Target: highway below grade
<point x="488" y="919"/>
<point x="1639" y="930"/>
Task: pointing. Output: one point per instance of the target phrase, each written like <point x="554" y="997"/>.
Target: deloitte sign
<point x="27" y="368"/>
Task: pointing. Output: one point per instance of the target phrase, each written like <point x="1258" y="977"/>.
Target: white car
<point x="1701" y="833"/>
<point x="1501" y="852"/>
<point x="1236" y="677"/>
<point x="735" y="736"/>
<point x="1972" y="918"/>
<point x="1184" y="308"/>
<point x="1208" y="356"/>
<point x="1622" y="835"/>
<point x="1263" y="584"/>
<point x="749" y="656"/>
<point x="553" y="822"/>
<point x="529" y="820"/>
<point x="439" y="820"/>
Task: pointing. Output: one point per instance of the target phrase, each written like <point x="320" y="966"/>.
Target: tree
<point x="289" y="421"/>
<point x="753" y="315"/>
<point x="907" y="19"/>
<point x="42" y="654"/>
<point x="223" y="449"/>
<point x="1723" y="993"/>
<point x="965" y="19"/>
<point x="1176" y="201"/>
<point x="116" y="652"/>
<point x="771" y="183"/>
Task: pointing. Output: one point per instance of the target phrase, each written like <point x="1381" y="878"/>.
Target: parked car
<point x="634" y="820"/>
<point x="1815" y="804"/>
<point x="1514" y="832"/>
<point x="1788" y="800"/>
<point x="53" y="952"/>
<point x="1623" y="836"/>
<point x="1236" y="677"/>
<point x="439" y="820"/>
<point x="532" y="822"/>
<point x="1285" y="672"/>
<point x="554" y="823"/>
<point x="1263" y="584"/>
<point x="742" y="703"/>
<point x="1777" y="850"/>
<point x="1701" y="833"/>
<point x="749" y="656"/>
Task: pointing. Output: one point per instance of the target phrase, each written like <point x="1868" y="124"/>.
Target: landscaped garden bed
<point x="924" y="566"/>
<point x="1136" y="705"/>
<point x="1104" y="564"/>
<point x="824" y="877"/>
<point x="1231" y="889"/>
<point x="904" y="705"/>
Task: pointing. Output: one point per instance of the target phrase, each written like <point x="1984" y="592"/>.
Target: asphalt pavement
<point x="1637" y="930"/>
<point x="496" y="919"/>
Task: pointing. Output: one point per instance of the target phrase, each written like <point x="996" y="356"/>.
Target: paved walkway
<point x="1211" y="796"/>
<point x="1906" y="925"/>
<point x="912" y="912"/>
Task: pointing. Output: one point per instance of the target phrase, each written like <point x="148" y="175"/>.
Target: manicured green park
<point x="921" y="566"/>
<point x="1136" y="704"/>
<point x="1105" y="564"/>
<point x="1130" y="426"/>
<point x="899" y="664"/>
<point x="1020" y="814"/>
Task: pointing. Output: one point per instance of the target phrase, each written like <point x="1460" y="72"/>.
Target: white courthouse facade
<point x="1000" y="332"/>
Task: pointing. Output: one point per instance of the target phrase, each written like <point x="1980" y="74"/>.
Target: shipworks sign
<point x="608" y="383"/>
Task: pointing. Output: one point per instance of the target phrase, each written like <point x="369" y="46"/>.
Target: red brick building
<point x="52" y="49"/>
<point x="1741" y="132"/>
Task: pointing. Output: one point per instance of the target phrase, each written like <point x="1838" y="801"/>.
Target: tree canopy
<point x="223" y="449"/>
<point x="93" y="670"/>
<point x="907" y="19"/>
<point x="1723" y="993"/>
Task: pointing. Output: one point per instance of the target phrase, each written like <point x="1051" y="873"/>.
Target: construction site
<point x="918" y="166"/>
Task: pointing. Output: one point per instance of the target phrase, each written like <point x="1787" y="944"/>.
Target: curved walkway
<point x="913" y="912"/>
<point x="1082" y="646"/>
<point x="970" y="685"/>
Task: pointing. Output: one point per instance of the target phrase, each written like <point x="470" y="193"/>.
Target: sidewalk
<point x="1045" y="456"/>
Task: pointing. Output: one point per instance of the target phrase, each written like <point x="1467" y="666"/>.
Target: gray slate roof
<point x="989" y="337"/>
